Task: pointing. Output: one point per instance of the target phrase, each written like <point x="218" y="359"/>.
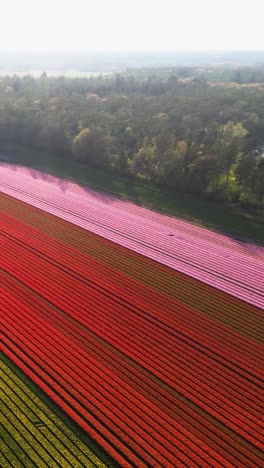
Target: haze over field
<point x="131" y="26"/>
<point x="170" y="93"/>
<point x="111" y="36"/>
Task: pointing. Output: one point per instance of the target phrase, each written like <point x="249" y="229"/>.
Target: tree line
<point x="172" y="128"/>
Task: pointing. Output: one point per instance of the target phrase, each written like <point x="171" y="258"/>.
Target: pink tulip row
<point x="229" y="265"/>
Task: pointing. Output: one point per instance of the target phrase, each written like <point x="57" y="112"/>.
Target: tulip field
<point x="32" y="435"/>
<point x="228" y="264"/>
<point x="145" y="330"/>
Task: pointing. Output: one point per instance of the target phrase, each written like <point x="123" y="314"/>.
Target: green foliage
<point x="201" y="173"/>
<point x="250" y="175"/>
<point x="89" y="146"/>
<point x="175" y="127"/>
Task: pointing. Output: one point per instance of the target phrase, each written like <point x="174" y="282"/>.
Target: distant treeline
<point x="199" y="130"/>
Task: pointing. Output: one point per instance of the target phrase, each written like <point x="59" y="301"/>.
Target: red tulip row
<point x="167" y="320"/>
<point x="29" y="329"/>
<point x="154" y="381"/>
<point x="185" y="289"/>
<point x="212" y="258"/>
<point x="52" y="248"/>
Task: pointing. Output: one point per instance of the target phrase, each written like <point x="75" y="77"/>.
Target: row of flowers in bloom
<point x="229" y="265"/>
<point x="155" y="380"/>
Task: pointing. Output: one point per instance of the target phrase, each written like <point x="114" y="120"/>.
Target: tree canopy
<point x="182" y="129"/>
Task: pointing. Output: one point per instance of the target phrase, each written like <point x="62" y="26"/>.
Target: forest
<point x="184" y="129"/>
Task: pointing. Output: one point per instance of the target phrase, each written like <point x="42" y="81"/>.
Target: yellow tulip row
<point x="32" y="434"/>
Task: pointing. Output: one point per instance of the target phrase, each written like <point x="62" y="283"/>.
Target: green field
<point x="232" y="220"/>
<point x="34" y="432"/>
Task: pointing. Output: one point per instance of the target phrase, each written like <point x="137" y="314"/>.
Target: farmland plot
<point x="160" y="369"/>
<point x="31" y="434"/>
<point x="231" y="265"/>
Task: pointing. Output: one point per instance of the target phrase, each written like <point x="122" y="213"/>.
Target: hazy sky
<point x="131" y="25"/>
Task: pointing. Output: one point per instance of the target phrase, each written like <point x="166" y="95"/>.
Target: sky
<point x="134" y="25"/>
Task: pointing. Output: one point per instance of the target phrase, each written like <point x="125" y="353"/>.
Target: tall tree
<point x="89" y="146"/>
